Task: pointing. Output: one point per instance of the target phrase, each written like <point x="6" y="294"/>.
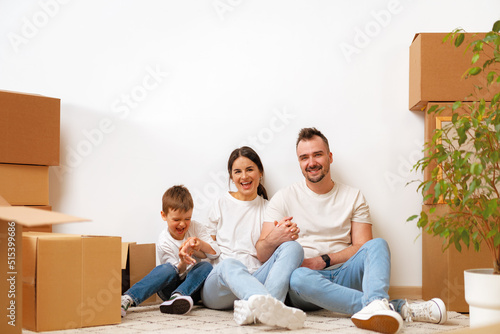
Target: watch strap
<point x="326" y="258"/>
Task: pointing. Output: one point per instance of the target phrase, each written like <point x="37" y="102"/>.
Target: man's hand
<point x="274" y="234"/>
<point x="315" y="263"/>
<point x="284" y="230"/>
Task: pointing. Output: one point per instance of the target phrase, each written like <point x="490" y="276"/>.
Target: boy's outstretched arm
<point x="197" y="247"/>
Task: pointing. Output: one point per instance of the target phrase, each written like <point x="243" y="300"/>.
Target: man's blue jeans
<point x="230" y="279"/>
<point x="347" y="289"/>
<point x="165" y="281"/>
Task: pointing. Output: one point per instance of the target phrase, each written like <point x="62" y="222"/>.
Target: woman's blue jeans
<point x="230" y="279"/>
<point x="347" y="289"/>
<point x="165" y="281"/>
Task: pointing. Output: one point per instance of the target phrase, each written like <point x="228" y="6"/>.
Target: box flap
<point x="125" y="249"/>
<point x="34" y="217"/>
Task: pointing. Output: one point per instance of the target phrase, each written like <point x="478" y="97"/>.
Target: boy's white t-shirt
<point x="237" y="226"/>
<point x="324" y="219"/>
<point x="167" y="247"/>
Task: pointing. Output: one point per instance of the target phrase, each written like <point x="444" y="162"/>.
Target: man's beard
<point x="318" y="178"/>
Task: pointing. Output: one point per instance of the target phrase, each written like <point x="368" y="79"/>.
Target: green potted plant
<point x="463" y="158"/>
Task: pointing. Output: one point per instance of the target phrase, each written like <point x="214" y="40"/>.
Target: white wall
<point x="157" y="93"/>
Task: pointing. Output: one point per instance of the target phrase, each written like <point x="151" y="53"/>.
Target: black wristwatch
<point x="326" y="258"/>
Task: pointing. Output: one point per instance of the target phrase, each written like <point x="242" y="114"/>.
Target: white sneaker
<point x="433" y="311"/>
<point x="378" y="316"/>
<point x="243" y="315"/>
<point x="273" y="312"/>
<point x="178" y="304"/>
<point x="127" y="301"/>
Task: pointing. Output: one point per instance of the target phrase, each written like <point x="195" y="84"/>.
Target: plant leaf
<point x="459" y="40"/>
<point x="475" y="58"/>
<point x="456" y="105"/>
<point x="496" y="26"/>
<point x="474" y="71"/>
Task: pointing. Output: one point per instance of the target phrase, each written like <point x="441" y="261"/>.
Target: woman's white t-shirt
<point x="237" y="225"/>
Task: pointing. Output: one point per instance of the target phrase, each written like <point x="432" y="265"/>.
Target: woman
<point x="256" y="290"/>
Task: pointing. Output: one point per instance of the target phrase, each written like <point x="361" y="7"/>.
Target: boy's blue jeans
<point x="347" y="289"/>
<point x="165" y="281"/>
<point x="230" y="279"/>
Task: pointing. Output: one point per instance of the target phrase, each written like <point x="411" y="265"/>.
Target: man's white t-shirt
<point x="324" y="219"/>
<point x="237" y="226"/>
<point x="167" y="247"/>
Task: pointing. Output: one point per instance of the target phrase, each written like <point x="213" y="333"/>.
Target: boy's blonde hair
<point x="177" y="198"/>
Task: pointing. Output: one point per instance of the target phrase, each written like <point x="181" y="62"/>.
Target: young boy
<point x="180" y="276"/>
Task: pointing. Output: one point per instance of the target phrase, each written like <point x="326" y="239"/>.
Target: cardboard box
<point x="29" y="129"/>
<point x="70" y="281"/>
<point x="24" y="184"/>
<point x="42" y="228"/>
<point x="443" y="272"/>
<point x="11" y="274"/>
<point x="137" y="262"/>
<point x="436" y="71"/>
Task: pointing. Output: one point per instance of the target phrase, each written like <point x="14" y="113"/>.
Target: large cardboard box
<point x="436" y="71"/>
<point x="29" y="129"/>
<point x="24" y="184"/>
<point x="137" y="261"/>
<point x="70" y="281"/>
<point x="443" y="272"/>
<point x="11" y="274"/>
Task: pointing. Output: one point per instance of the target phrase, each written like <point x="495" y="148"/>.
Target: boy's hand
<point x="188" y="248"/>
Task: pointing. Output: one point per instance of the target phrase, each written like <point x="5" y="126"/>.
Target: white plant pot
<point x="482" y="293"/>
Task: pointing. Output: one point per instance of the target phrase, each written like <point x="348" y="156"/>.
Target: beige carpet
<point x="149" y="319"/>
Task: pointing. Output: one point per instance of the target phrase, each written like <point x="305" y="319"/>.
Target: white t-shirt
<point x="324" y="219"/>
<point x="237" y="226"/>
<point x="167" y="247"/>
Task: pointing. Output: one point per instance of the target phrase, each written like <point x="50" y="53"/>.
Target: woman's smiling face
<point x="246" y="177"/>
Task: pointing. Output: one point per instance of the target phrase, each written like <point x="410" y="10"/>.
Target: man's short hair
<point x="177" y="198"/>
<point x="308" y="133"/>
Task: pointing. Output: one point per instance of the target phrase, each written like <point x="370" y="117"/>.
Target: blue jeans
<point x="165" y="281"/>
<point x="230" y="279"/>
<point x="347" y="289"/>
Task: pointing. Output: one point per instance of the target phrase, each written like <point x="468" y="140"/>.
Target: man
<point x="345" y="270"/>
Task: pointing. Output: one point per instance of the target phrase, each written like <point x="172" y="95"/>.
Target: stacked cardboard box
<point x="29" y="144"/>
<point x="437" y="69"/>
<point x="53" y="281"/>
<point x="12" y="219"/>
<point x="436" y="78"/>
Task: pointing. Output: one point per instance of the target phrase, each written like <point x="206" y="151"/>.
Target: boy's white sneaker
<point x="177" y="304"/>
<point x="378" y="316"/>
<point x="272" y="312"/>
<point x="433" y="311"/>
<point x="127" y="301"/>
